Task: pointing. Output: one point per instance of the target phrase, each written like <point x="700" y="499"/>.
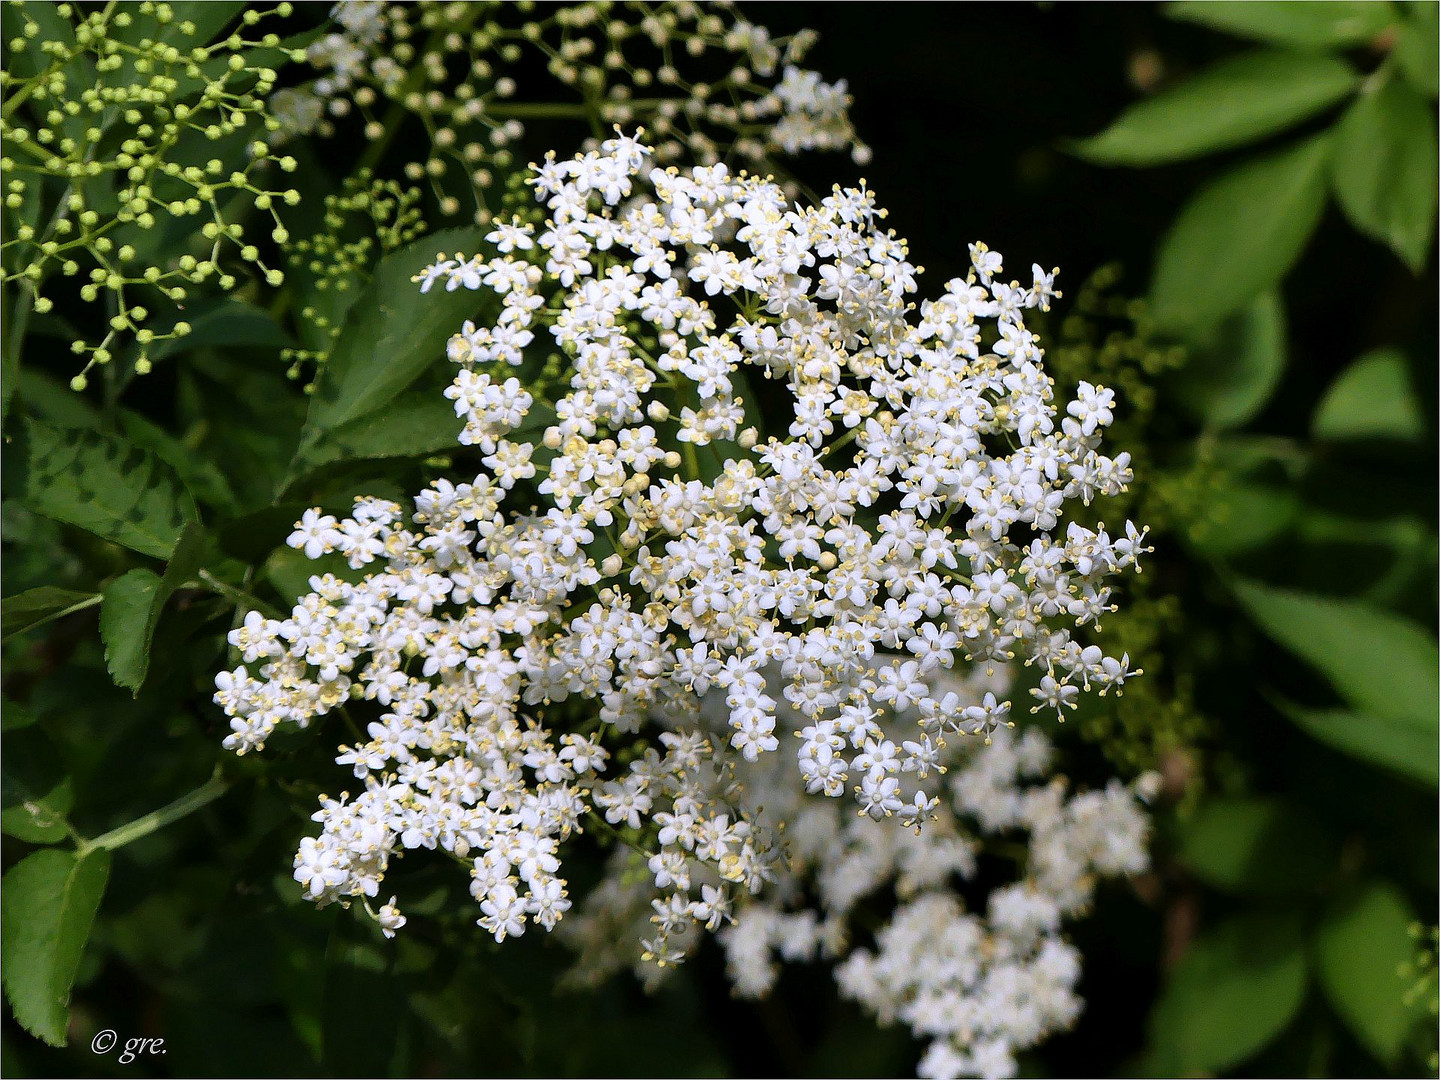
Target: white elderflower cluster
<point x="704" y="80"/>
<point x="976" y="987"/>
<point x="633" y="544"/>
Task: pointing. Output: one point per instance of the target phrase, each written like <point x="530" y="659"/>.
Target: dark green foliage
<point x="1278" y="396"/>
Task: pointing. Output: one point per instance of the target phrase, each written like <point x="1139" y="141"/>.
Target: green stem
<point x="184" y="806"/>
<point x="563" y="110"/>
<point x="238" y="596"/>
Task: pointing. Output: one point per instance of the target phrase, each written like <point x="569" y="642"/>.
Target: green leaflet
<point x="132" y="607"/>
<point x="1239" y="100"/>
<point x="1239" y="236"/>
<point x="227" y="321"/>
<point x="1408" y="748"/>
<point x="50" y="901"/>
<point x="1380" y="663"/>
<point x="1372" y="399"/>
<point x="411" y="425"/>
<point x="35" y="607"/>
<point x="1234" y="990"/>
<point x="1384" y="170"/>
<point x="1417" y="46"/>
<point x="1256" y="846"/>
<point x="1305" y="24"/>
<point x="1236" y="365"/>
<point x="103" y="484"/>
<point x="35" y="792"/>
<point x="392" y="333"/>
<point x="1362" y="942"/>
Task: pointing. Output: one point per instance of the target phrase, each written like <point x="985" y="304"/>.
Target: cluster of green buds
<point x="1107" y="338"/>
<point x="1422" y="976"/>
<point x="135" y="143"/>
<point x="364" y="221"/>
<point x="702" y="81"/>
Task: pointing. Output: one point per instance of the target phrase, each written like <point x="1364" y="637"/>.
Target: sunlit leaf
<point x="1235" y="989"/>
<point x="1254" y="845"/>
<point x="103" y="484"/>
<point x="1308" y="24"/>
<point x="1417" y="46"/>
<point x="1236" y="101"/>
<point x="1236" y="365"/>
<point x="1384" y="168"/>
<point x="1361" y="944"/>
<point x="1372" y="399"/>
<point x="1379" y="662"/>
<point x="132" y="607"/>
<point x="1239" y="236"/>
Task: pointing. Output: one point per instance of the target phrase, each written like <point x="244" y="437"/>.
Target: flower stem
<point x="184" y="806"/>
<point x="237" y="596"/>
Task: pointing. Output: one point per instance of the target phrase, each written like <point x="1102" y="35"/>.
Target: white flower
<point x="832" y="585"/>
<point x="315" y="534"/>
<point x="390" y="919"/>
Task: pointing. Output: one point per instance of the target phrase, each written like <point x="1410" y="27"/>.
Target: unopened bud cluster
<point x="133" y="147"/>
<point x="366" y="220"/>
<point x="703" y="80"/>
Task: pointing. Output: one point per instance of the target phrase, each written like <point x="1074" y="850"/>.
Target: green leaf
<point x="392" y="333"/>
<point x="1417" y="47"/>
<point x="251" y="537"/>
<point x="1253" y="845"/>
<point x="1362" y="942"/>
<point x="50" y="901"/>
<point x="412" y="425"/>
<point x="35" y="607"/>
<point x="52" y="400"/>
<point x="227" y="322"/>
<point x="102" y="484"/>
<point x="1393" y="557"/>
<point x="290" y="571"/>
<point x="1239" y="236"/>
<point x="1235" y="365"/>
<point x="1300" y="23"/>
<point x="16" y="716"/>
<point x="1372" y="399"/>
<point x="9" y="380"/>
<point x="1384" y="168"/>
<point x="1380" y="663"/>
<point x="36" y="793"/>
<point x="1243" y="515"/>
<point x="1409" y="748"/>
<point x="202" y="477"/>
<point x="133" y="603"/>
<point x="1235" y="989"/>
<point x="1234" y="102"/>
<point x="124" y="619"/>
